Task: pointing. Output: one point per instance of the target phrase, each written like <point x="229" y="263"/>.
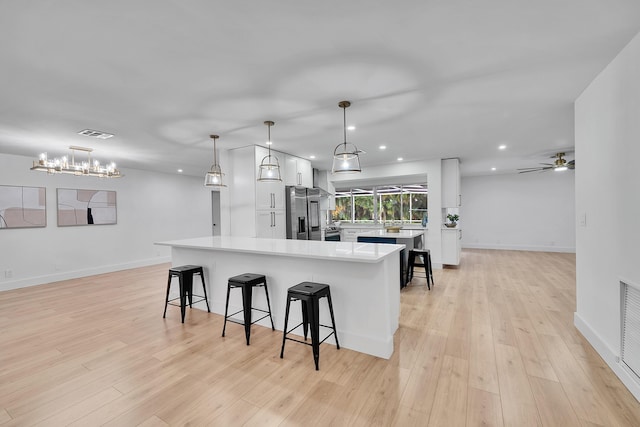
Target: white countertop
<point x="336" y="251"/>
<point x="402" y="234"/>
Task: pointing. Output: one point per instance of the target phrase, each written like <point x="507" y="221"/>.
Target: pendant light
<point x="213" y="178"/>
<point x="346" y="157"/>
<point x="269" y="166"/>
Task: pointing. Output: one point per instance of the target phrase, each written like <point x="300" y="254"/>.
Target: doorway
<point x="215" y="213"/>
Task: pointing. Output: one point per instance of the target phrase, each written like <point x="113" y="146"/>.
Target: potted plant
<point x="453" y="220"/>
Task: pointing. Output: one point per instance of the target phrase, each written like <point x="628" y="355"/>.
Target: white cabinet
<point x="269" y="195"/>
<point x="451" y="246"/>
<point x="271" y="224"/>
<point x="257" y="209"/>
<point x="351" y="234"/>
<point x="451" y="197"/>
<point x="298" y="172"/>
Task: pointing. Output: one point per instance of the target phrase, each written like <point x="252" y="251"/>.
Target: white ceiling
<point x="428" y="79"/>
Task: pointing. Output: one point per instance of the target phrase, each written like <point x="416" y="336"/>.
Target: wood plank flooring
<point x="491" y="344"/>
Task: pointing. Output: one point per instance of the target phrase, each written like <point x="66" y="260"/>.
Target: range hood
<point x="322" y="182"/>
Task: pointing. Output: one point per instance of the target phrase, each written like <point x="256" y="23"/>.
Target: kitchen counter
<point x="315" y="249"/>
<point x="402" y="234"/>
<point x="363" y="278"/>
<point x="411" y="239"/>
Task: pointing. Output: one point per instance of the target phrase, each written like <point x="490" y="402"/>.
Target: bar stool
<point x="425" y="254"/>
<point x="309" y="294"/>
<point x="185" y="275"/>
<point x="247" y="282"/>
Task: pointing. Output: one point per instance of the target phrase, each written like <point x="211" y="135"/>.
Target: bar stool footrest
<point x="241" y="322"/>
<point x="306" y="342"/>
<point x="193" y="302"/>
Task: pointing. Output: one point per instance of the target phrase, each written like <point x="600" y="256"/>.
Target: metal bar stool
<point x="309" y="294"/>
<point x="185" y="275"/>
<point x="425" y="254"/>
<point x="247" y="282"/>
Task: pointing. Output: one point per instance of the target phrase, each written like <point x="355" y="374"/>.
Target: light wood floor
<point x="492" y="344"/>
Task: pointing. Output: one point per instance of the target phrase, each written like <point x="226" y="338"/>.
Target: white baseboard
<point x="67" y="275"/>
<point x="519" y="247"/>
<point x="611" y="357"/>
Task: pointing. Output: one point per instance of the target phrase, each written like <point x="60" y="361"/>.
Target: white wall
<point x="532" y="211"/>
<point x="151" y="207"/>
<point x="607" y="127"/>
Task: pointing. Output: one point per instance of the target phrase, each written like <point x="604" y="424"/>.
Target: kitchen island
<point x="363" y="279"/>
<point x="411" y="239"/>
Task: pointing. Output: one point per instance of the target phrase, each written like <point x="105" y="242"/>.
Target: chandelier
<point x="346" y="157"/>
<point x="269" y="166"/>
<point x="85" y="168"/>
<point x="213" y="178"/>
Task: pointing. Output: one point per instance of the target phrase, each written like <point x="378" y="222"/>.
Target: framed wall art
<point x="86" y="207"/>
<point x="22" y="207"/>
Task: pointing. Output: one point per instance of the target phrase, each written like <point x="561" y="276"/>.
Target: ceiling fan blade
<point x="547" y="164"/>
<point x="530" y="170"/>
<point x="571" y="164"/>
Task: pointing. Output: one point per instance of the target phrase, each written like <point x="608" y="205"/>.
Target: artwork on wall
<point x="22" y="207"/>
<point x="86" y="207"/>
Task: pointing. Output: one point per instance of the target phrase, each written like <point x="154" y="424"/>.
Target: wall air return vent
<point x="630" y="311"/>
<point x="95" y="134"/>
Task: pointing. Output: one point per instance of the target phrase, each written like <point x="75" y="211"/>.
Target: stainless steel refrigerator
<point x="303" y="213"/>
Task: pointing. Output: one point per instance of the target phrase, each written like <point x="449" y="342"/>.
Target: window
<point x="363" y="206"/>
<point x="342" y="211"/>
<point x="404" y="204"/>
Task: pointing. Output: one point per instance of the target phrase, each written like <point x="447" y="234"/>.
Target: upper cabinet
<point x="451" y="196"/>
<point x="297" y="171"/>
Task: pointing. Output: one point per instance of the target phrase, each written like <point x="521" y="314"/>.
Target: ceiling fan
<point x="560" y="164"/>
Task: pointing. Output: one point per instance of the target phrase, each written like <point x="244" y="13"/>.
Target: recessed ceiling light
<point x="312" y="156"/>
<point x="502" y="147"/>
<point x="383" y="147"/>
<point x="352" y="127"/>
<point x="400" y="159"/>
<point x="95" y="134"/>
<point x="179" y="170"/>
<point x="493" y="169"/>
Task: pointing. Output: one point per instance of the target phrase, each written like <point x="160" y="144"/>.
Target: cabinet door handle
<point x="459" y="234"/>
<point x="274" y="218"/>
<point x="459" y="199"/>
<point x="273" y="203"/>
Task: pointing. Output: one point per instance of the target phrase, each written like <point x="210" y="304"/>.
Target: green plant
<point x="453" y="217"/>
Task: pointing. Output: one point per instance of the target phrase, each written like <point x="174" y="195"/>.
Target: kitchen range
<point x="332" y="233"/>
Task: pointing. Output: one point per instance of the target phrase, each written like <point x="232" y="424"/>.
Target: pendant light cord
<point x="215" y="156"/>
<point x="344" y="125"/>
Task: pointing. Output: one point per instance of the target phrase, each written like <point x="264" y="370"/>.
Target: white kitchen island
<point x="363" y="278"/>
<point x="411" y="239"/>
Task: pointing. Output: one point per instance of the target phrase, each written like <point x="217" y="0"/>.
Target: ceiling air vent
<point x="95" y="134"/>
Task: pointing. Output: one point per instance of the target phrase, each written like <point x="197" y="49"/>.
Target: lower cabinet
<point x="351" y="234"/>
<point x="271" y="224"/>
<point x="451" y="246"/>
